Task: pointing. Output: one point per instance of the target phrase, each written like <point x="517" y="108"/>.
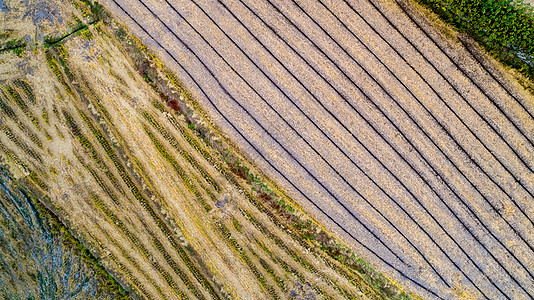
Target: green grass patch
<point x="505" y="28"/>
<point x="16" y="45"/>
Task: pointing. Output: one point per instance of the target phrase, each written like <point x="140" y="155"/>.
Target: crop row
<point x="62" y="56"/>
<point x="69" y="120"/>
<point x="232" y="242"/>
<point x="53" y="65"/>
<point x="157" y="244"/>
<point x="100" y="161"/>
<point x="172" y="140"/>
<point x="145" y="204"/>
<point x="37" y="180"/>
<point x="114" y="220"/>
<point x="280" y="243"/>
<point x="269" y="270"/>
<point x="75" y="129"/>
<point x="122" y="268"/>
<point x="26" y="88"/>
<point x="9" y="133"/>
<point x="132" y="261"/>
<point x="96" y="100"/>
<point x="11" y="113"/>
<point x="128" y="274"/>
<point x="289" y="269"/>
<point x="11" y="155"/>
<point x="13" y="94"/>
<point x="178" y="169"/>
<point x="188" y="137"/>
<point x="102" y="184"/>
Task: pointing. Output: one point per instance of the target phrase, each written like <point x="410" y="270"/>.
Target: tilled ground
<point x="169" y="210"/>
<point x="391" y="132"/>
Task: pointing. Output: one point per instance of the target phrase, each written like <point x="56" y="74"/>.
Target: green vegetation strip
<point x="16" y="45"/>
<point x="79" y="27"/>
<point x="505" y="28"/>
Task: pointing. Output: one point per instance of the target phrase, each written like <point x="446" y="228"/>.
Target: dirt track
<point x="419" y="158"/>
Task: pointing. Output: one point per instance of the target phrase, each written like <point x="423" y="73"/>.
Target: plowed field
<point x="410" y="144"/>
